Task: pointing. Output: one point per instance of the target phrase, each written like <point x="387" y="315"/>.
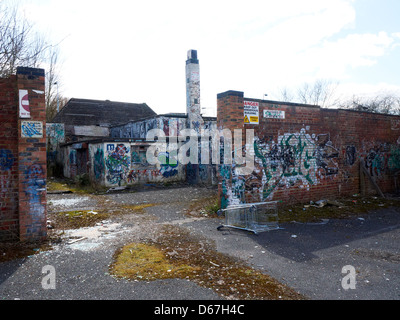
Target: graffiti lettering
<point x="297" y="159"/>
<point x="117" y="163"/>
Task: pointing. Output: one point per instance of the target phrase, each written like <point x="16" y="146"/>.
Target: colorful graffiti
<point x="168" y="167"/>
<point x="144" y="175"/>
<point x="225" y="173"/>
<point x="55" y="133"/>
<point x="394" y="159"/>
<point x="381" y="159"/>
<point x="138" y="157"/>
<point x="296" y="159"/>
<point x="117" y="163"/>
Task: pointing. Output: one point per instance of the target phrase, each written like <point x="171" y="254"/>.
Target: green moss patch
<point x="178" y="254"/>
<point x="147" y="262"/>
<point x="77" y="219"/>
<point x="137" y="208"/>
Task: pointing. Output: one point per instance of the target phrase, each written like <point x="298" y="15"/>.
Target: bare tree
<point x="320" y="93"/>
<point x="286" y="94"/>
<point x="19" y="44"/>
<point x="54" y="100"/>
<point x="388" y="103"/>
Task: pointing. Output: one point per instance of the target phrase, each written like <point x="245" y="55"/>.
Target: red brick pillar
<point x="230" y="110"/>
<point x="9" y="226"/>
<point x="31" y="156"/>
<point x="229" y="116"/>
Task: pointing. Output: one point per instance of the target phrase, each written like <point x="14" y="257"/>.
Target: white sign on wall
<point x="251" y="112"/>
<point x="32" y="129"/>
<point x="274" y="114"/>
<point x="24" y="111"/>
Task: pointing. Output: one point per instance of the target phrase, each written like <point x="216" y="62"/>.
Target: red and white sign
<point x="24" y="111"/>
<point x="251" y="112"/>
<point x="251" y="104"/>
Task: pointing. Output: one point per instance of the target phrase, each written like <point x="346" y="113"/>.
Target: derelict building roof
<point x="101" y="112"/>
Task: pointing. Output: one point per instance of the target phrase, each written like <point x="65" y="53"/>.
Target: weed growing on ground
<point x="178" y="254"/>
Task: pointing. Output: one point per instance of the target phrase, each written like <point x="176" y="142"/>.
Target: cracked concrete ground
<point x="307" y="257"/>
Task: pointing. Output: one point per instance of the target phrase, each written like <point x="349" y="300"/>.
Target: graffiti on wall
<point x="6" y="159"/>
<point x="55" y="133"/>
<point x="98" y="163"/>
<point x="225" y="174"/>
<point x="6" y="162"/>
<point x="296" y="159"/>
<point x="350" y="155"/>
<point x="302" y="160"/>
<point x="145" y="175"/>
<point x="394" y="158"/>
<point x="35" y="185"/>
<point x="117" y="163"/>
<point x="171" y="126"/>
<point x="138" y="156"/>
<point x="168" y="167"/>
<point x="381" y="158"/>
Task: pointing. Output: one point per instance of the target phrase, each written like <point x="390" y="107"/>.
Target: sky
<point x="135" y="51"/>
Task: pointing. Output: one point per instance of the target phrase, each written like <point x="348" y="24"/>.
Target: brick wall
<point x="9" y="226"/>
<point x="310" y="153"/>
<point x="23" y="157"/>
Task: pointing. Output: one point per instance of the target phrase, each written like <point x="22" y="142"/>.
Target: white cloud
<point x="333" y="59"/>
<point x="136" y="50"/>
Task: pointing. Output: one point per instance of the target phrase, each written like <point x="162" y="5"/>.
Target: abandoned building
<point x="300" y="152"/>
<point x="107" y="140"/>
<point x="296" y="152"/>
<point x="85" y="119"/>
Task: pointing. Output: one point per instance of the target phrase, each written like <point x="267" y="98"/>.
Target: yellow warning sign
<point x="253" y="119"/>
<point x="246" y="119"/>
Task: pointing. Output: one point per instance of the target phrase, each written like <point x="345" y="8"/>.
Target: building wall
<point x="55" y="134"/>
<point x="75" y="159"/>
<point x="124" y="163"/>
<point x="304" y="152"/>
<point x="23" y="156"/>
<point x="171" y="126"/>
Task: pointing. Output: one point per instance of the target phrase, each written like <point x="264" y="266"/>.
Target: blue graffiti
<point x="6" y="159"/>
<point x="35" y="185"/>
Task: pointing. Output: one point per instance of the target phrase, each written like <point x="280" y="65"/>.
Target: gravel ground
<point x="307" y="257"/>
